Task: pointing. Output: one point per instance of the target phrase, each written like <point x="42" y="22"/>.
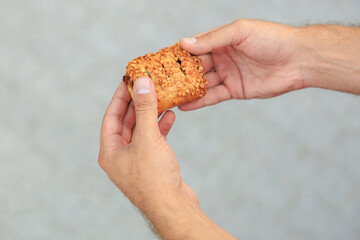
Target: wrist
<point x="176" y="216"/>
<point x="330" y="57"/>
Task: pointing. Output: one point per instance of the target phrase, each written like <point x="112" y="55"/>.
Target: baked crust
<point x="178" y="76"/>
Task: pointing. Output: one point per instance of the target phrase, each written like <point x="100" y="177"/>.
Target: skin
<point x="257" y="59"/>
<point x="242" y="60"/>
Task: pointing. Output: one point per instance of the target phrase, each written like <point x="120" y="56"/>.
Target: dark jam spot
<point x="179" y="62"/>
<point x="126" y="79"/>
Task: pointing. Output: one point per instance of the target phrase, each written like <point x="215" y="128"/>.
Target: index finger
<point x="112" y="121"/>
<point x="216" y="38"/>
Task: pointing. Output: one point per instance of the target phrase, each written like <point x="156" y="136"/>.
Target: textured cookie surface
<point x="178" y="76"/>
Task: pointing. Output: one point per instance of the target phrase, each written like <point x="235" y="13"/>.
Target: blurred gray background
<point x="282" y="168"/>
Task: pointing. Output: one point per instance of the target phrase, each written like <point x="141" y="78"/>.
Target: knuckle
<point x="238" y="22"/>
<point x="241" y="25"/>
<point x="144" y="105"/>
<point x="102" y="160"/>
<point x="209" y="35"/>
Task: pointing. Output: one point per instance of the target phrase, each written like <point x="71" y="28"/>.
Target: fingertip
<point x="143" y="85"/>
<point x="144" y="93"/>
<point x="182" y="108"/>
<point x="188" y="41"/>
<point x="173" y="115"/>
<point x="195" y="45"/>
<point x="187" y="107"/>
<point x="188" y="44"/>
<point x="208" y="41"/>
<point x="169" y="115"/>
<point x="145" y="104"/>
<point x="166" y="122"/>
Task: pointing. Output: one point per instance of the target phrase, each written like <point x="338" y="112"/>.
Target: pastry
<point x="178" y="76"/>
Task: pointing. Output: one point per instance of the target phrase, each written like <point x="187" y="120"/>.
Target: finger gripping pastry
<point x="178" y="76"/>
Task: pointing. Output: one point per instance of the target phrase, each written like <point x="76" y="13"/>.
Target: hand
<point x="137" y="157"/>
<point x="246" y="59"/>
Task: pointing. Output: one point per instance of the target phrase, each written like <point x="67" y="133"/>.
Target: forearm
<point x="330" y="57"/>
<point x="179" y="218"/>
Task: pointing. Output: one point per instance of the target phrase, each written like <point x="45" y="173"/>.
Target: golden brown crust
<point x="178" y="76"/>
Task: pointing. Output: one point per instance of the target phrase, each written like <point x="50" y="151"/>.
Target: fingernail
<point x="189" y="40"/>
<point x="142" y="85"/>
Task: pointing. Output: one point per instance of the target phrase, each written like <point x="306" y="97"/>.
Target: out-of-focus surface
<point x="282" y="168"/>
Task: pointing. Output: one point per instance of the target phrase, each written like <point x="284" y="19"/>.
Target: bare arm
<point x="252" y="59"/>
<point x="331" y="57"/>
<point x="178" y="218"/>
<point x="256" y="59"/>
<point x="136" y="157"/>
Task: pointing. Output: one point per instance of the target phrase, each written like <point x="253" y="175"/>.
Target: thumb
<point x="145" y="102"/>
<point x="213" y="39"/>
